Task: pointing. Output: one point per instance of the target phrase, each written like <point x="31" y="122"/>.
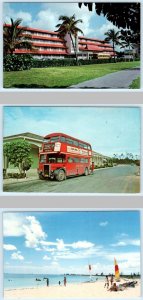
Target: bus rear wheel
<point x="61" y="175"/>
<point x="86" y="172"/>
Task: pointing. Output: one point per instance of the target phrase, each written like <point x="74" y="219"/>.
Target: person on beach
<point x="106" y="282"/>
<point x="59" y="283"/>
<point x="92" y="168"/>
<point x="47" y="281"/>
<point x="65" y="281"/>
<point x="111" y="279"/>
<point x="113" y="288"/>
<point x="116" y="287"/>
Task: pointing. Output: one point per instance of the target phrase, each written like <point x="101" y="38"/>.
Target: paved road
<point x="116" y="80"/>
<point x="120" y="179"/>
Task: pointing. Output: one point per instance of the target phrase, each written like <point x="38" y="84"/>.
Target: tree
<point x="69" y="26"/>
<point x="121" y="14"/>
<point x="126" y="38"/>
<point x="18" y="154"/>
<point x="112" y="36"/>
<point x="13" y="37"/>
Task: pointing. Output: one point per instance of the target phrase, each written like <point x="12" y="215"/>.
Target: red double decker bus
<point x="62" y="156"/>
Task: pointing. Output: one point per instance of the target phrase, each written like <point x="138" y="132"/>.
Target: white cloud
<point x="17" y="256"/>
<point x="82" y="244"/>
<point x="15" y="224"/>
<point x="24" y="16"/>
<point x="103" y="224"/>
<point x="128" y="242"/>
<point x="55" y="263"/>
<point x="12" y="224"/>
<point x="9" y="247"/>
<point x="48" y="16"/>
<point x="100" y="262"/>
<point x="33" y="232"/>
<point x="60" y="245"/>
<point x="45" y="257"/>
<point x="104" y="28"/>
<point x="8" y="13"/>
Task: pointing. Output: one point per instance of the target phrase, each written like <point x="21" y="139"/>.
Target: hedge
<point x="17" y="62"/>
<point x="44" y="63"/>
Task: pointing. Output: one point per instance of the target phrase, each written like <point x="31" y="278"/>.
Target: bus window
<point x="70" y="159"/>
<point x="54" y="139"/>
<point x="76" y="160"/>
<point x="89" y="147"/>
<point x="52" y="160"/>
<point x="81" y="145"/>
<point x="69" y="141"/>
<point x="75" y="143"/>
<point x="63" y="139"/>
<point x="85" y="146"/>
<point x="60" y="159"/>
<point x="42" y="158"/>
<point x="84" y="160"/>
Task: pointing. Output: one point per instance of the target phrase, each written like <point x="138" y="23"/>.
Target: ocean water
<point x="14" y="281"/>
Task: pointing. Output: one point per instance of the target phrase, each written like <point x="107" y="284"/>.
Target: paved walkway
<point x="116" y="80"/>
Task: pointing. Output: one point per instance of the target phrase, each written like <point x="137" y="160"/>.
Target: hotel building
<point x="48" y="45"/>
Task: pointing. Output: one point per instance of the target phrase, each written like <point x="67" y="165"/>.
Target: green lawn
<point x="61" y="77"/>
<point x="135" y="84"/>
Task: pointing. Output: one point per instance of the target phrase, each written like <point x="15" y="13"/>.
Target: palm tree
<point x="13" y="37"/>
<point x="114" y="37"/>
<point x="69" y="26"/>
<point x="126" y="40"/>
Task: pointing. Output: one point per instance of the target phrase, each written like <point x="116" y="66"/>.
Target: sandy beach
<point x="83" y="290"/>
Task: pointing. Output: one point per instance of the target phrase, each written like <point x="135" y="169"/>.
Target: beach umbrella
<point x="117" y="273"/>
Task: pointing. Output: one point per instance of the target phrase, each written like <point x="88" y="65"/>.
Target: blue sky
<point x="45" y="16"/>
<point x="64" y="242"/>
<point x="110" y="130"/>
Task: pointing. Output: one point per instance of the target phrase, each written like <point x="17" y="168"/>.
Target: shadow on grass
<point x="35" y="86"/>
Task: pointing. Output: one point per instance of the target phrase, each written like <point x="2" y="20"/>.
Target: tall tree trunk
<point x="129" y="51"/>
<point x="75" y="50"/>
<point x="114" y="50"/>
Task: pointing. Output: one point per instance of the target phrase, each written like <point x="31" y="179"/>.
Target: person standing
<point x="92" y="168"/>
<point x="65" y="281"/>
<point x="47" y="281"/>
<point x="106" y="282"/>
<point x="111" y="279"/>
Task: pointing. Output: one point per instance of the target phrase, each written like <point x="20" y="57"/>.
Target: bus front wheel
<point x="41" y="177"/>
<point x="86" y="172"/>
<point x="61" y="175"/>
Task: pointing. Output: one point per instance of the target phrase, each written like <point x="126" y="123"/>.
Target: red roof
<point x="90" y="43"/>
<point x="91" y="48"/>
<point x="34" y="29"/>
<point x="91" y="39"/>
<point x="107" y="45"/>
<point x="48" y="38"/>
<point x="18" y="51"/>
<point x="49" y="45"/>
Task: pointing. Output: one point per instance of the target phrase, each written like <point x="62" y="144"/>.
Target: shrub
<point x="44" y="63"/>
<point x="14" y="62"/>
<point x="15" y="175"/>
